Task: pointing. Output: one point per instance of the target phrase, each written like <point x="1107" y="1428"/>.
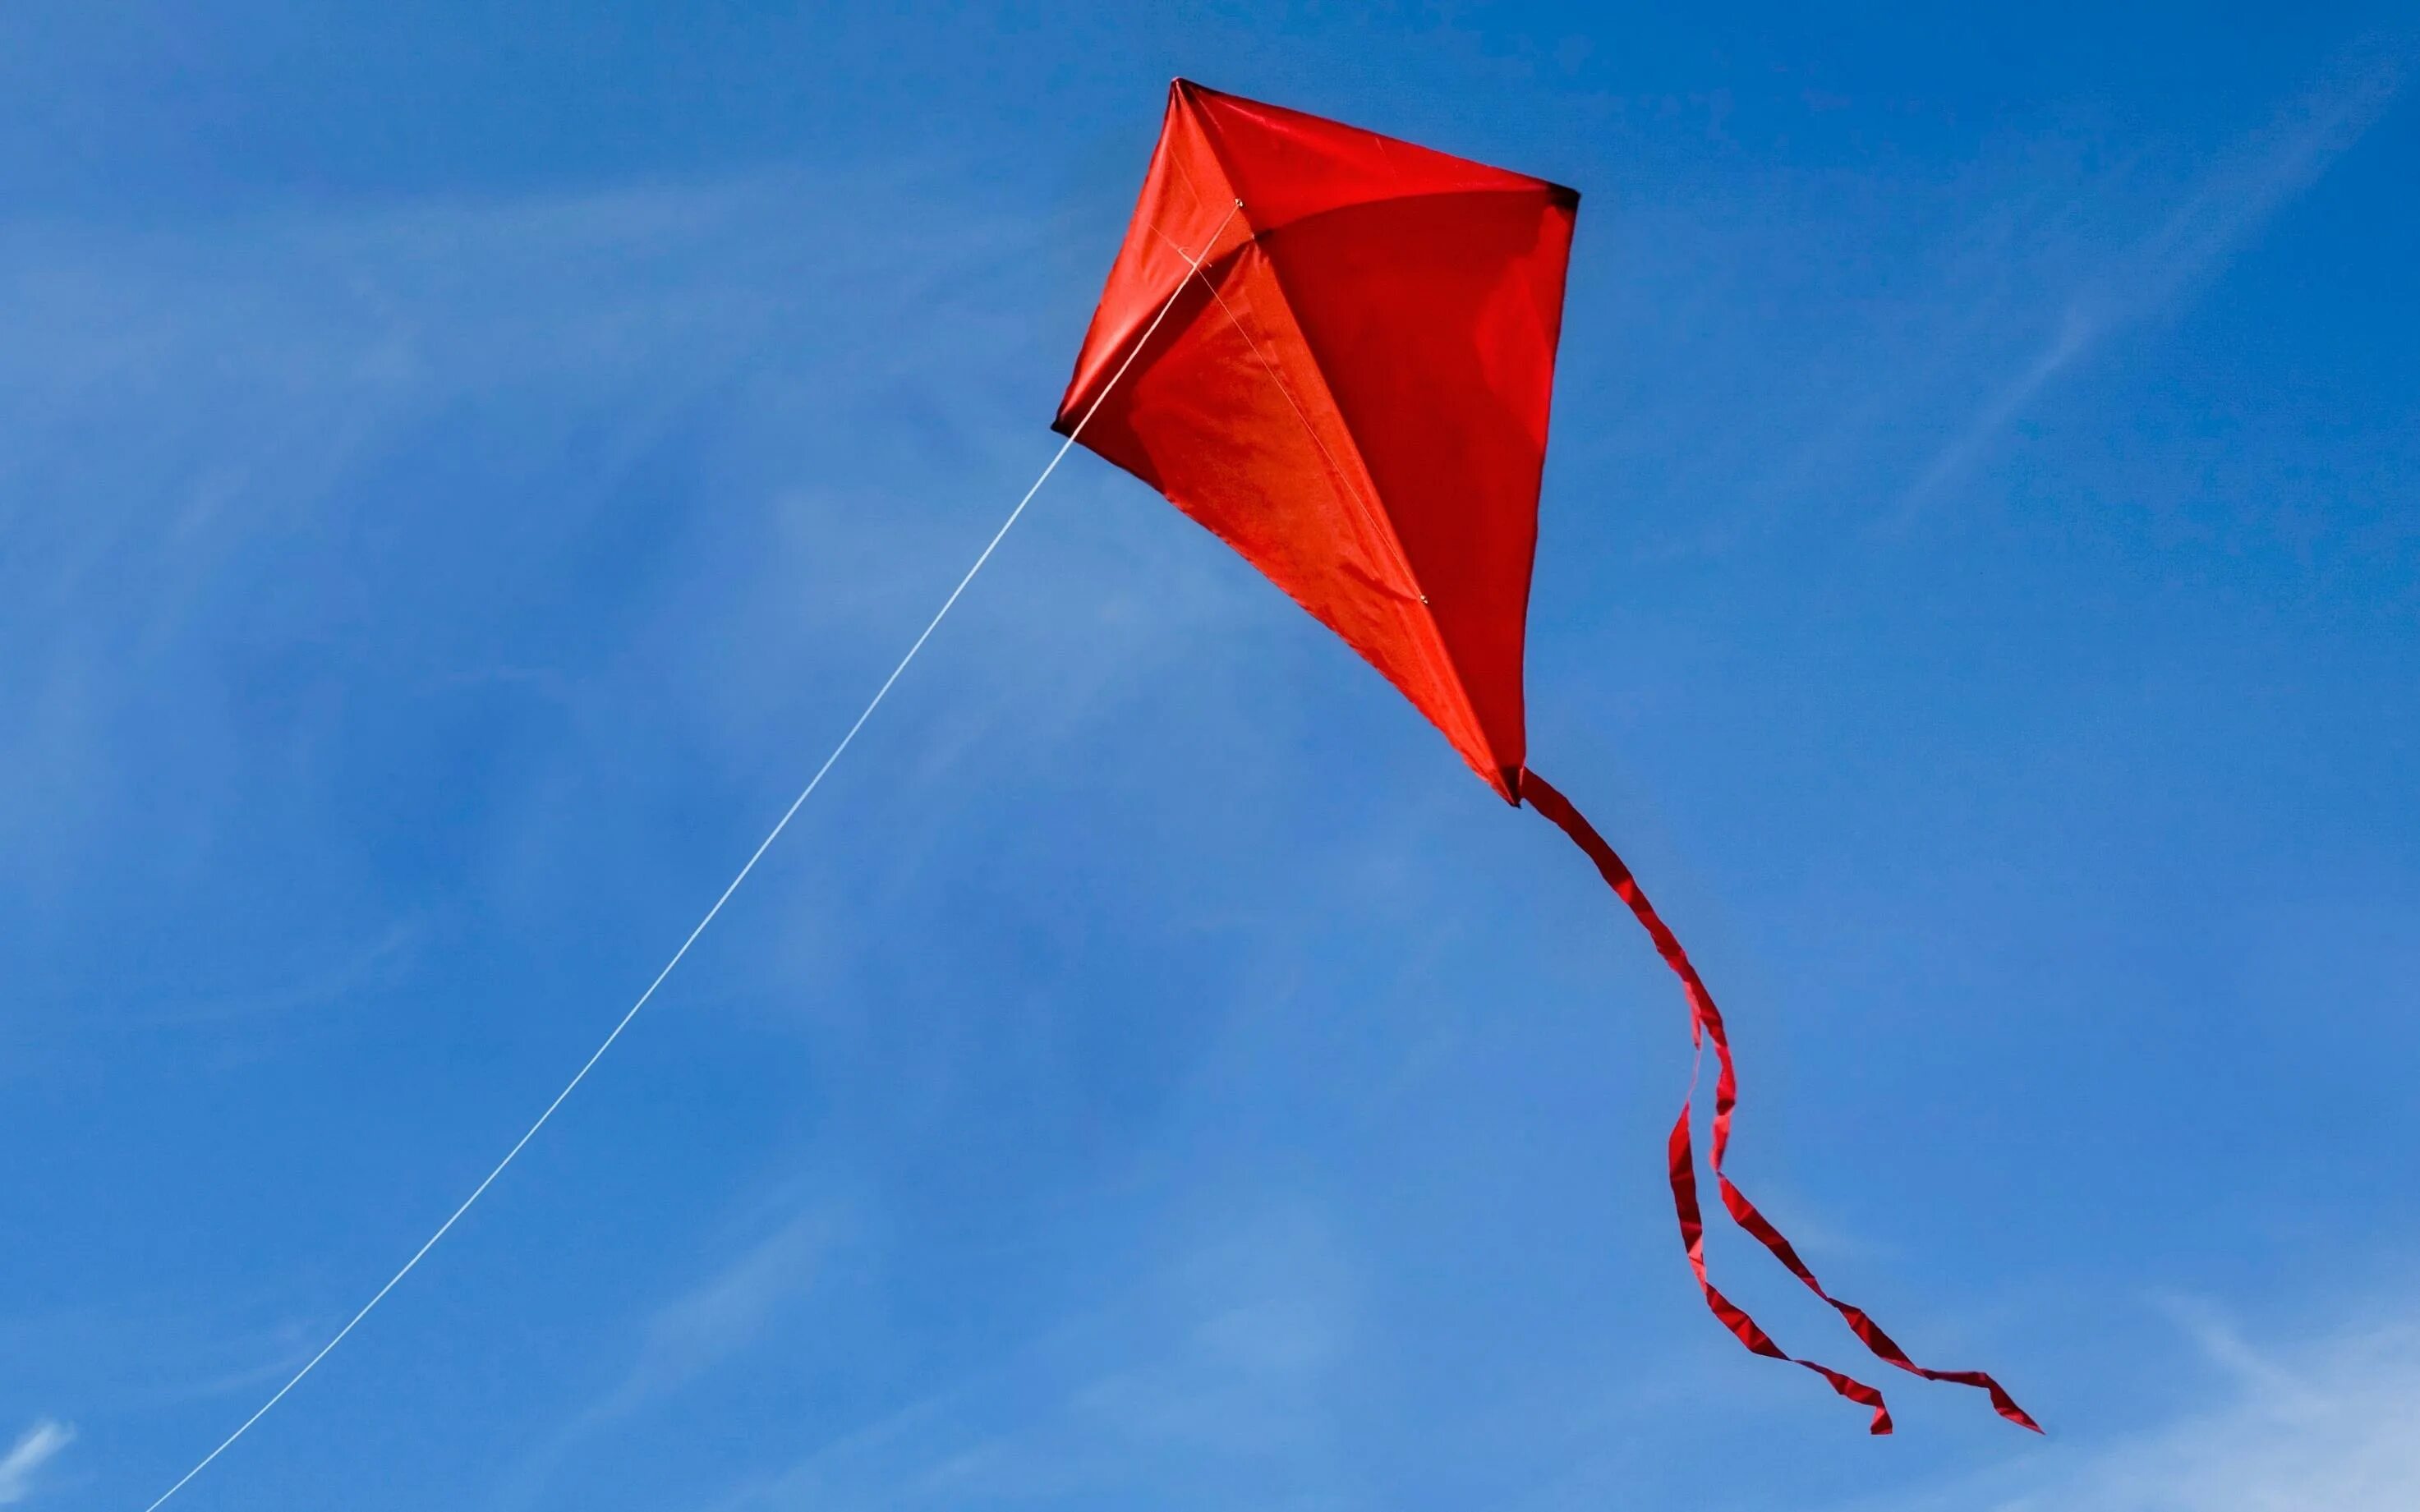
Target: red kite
<point x="1336" y="350"/>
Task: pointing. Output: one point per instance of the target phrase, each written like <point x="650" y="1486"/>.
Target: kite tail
<point x="1706" y="1024"/>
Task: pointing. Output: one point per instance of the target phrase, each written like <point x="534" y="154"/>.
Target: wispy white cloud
<point x="725" y="1314"/>
<point x="317" y="355"/>
<point x="331" y="369"/>
<point x="2332" y="1424"/>
<point x="1213" y="1375"/>
<point x="689" y="1335"/>
<point x="1807" y="349"/>
<point x="2245" y="188"/>
<point x="35" y="1447"/>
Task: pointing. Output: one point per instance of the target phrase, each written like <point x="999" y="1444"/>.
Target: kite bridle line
<point x="1376" y="534"/>
<point x="1371" y="527"/>
<point x="758" y="854"/>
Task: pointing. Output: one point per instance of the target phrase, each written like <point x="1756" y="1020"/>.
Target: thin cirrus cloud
<point x="1217" y="1373"/>
<point x="702" y="1328"/>
<point x="2246" y="186"/>
<point x="318" y="357"/>
<point x="35" y="1447"/>
<point x="2327" y="1423"/>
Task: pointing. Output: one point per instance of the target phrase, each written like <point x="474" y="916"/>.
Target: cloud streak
<point x="2246" y="186"/>
<point x="35" y="1447"/>
<point x="1217" y="1374"/>
<point x="690" y="1335"/>
<point x="2334" y="1424"/>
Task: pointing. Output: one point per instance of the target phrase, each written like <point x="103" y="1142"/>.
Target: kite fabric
<point x="1338" y="355"/>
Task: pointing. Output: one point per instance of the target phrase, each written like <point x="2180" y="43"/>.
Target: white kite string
<point x="764" y="845"/>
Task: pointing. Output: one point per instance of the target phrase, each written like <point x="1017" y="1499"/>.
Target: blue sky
<point x="461" y="467"/>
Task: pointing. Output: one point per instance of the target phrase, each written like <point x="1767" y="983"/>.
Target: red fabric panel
<point x="1434" y="318"/>
<point x="1706" y="1024"/>
<point x="1288" y="164"/>
<point x="1185" y="196"/>
<point x="1358" y="401"/>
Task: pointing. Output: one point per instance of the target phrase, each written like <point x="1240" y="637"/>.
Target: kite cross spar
<point x="1353" y="392"/>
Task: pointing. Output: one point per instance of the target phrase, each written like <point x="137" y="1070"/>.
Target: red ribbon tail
<point x="1706" y="1023"/>
<point x="1861" y="1323"/>
<point x="1731" y="1314"/>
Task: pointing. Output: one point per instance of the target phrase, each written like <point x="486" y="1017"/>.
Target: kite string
<point x="758" y="854"/>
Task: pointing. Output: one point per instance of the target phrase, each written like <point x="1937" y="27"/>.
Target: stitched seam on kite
<point x="1430" y="637"/>
<point x="1553" y="194"/>
<point x="1372" y="518"/>
<point x="1427" y="635"/>
<point x="1543" y="190"/>
<point x="1372" y="525"/>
